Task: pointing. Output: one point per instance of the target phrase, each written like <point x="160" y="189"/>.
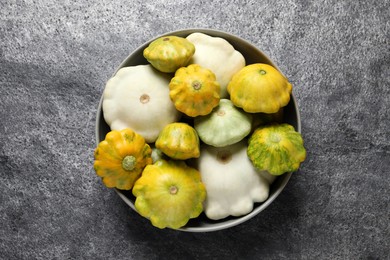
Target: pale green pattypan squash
<point x="137" y="97"/>
<point x="233" y="185"/>
<point x="225" y="125"/>
<point x="218" y="55"/>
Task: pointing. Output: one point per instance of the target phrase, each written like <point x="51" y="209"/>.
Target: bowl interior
<point x="290" y="115"/>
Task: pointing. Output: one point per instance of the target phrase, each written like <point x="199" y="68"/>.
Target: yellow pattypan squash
<point x="169" y="53"/>
<point x="179" y="141"/>
<point x="121" y="157"/>
<point x="169" y="193"/>
<point x="259" y="88"/>
<point x="194" y="90"/>
<point x="276" y="148"/>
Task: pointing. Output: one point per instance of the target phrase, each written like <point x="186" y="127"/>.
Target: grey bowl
<point x="291" y="116"/>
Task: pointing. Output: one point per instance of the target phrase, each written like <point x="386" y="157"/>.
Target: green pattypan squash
<point x="225" y="125"/>
<point x="277" y="148"/>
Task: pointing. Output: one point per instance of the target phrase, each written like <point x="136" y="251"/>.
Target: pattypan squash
<point x="137" y="97"/>
<point x="225" y="125"/>
<point x="169" y="193"/>
<point x="218" y="55"/>
<point x="259" y="88"/>
<point x="233" y="185"/>
<point x="194" y="90"/>
<point x="121" y="157"/>
<point x="169" y="53"/>
<point x="179" y="141"/>
<point x="277" y="148"/>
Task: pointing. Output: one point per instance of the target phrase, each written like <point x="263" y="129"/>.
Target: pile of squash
<point x="196" y="130"/>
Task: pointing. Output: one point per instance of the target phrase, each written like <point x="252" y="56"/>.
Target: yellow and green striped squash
<point x="179" y="141"/>
<point x="276" y="148"/>
<point x="169" y="53"/>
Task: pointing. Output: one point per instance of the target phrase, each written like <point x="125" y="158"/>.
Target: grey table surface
<point x="55" y="58"/>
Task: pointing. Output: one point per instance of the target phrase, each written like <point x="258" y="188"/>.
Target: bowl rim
<point x="286" y="177"/>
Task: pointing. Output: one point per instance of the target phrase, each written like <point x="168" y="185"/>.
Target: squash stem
<point x="196" y="85"/>
<point x="129" y="162"/>
<point x="224" y="157"/>
<point x="144" y="98"/>
<point x="275" y="138"/>
<point x="221" y="113"/>
<point x="173" y="190"/>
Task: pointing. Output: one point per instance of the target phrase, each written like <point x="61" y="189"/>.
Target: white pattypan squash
<point x="233" y="185"/>
<point x="137" y="97"/>
<point x="225" y="125"/>
<point x="217" y="55"/>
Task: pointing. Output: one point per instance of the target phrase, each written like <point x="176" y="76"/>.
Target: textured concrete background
<point x="55" y="58"/>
